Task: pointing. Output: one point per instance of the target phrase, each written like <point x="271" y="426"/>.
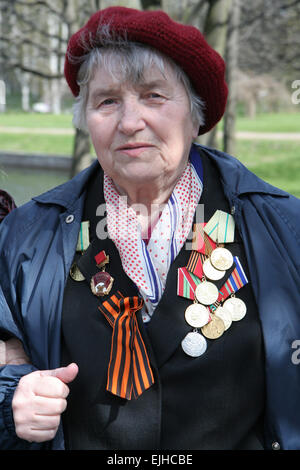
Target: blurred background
<point x="39" y="147"/>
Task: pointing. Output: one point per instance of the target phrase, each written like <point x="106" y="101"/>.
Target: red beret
<point x="182" y="43"/>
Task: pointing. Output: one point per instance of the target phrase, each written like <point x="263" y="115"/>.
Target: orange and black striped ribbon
<point x="195" y="263"/>
<point x="129" y="370"/>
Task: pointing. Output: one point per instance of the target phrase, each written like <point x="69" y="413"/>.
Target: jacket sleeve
<point x="10" y="376"/>
<point x="9" y="379"/>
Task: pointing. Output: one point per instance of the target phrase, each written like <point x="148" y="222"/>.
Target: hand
<point x="39" y="400"/>
<point x="12" y="352"/>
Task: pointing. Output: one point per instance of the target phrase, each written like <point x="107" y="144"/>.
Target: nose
<point x="131" y="118"/>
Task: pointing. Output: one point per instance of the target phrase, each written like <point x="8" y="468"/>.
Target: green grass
<point x="32" y="120"/>
<point x="276" y="122"/>
<point x="276" y="162"/>
<point x="37" y="143"/>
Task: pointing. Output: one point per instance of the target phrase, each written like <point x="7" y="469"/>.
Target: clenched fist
<point x="39" y="400"/>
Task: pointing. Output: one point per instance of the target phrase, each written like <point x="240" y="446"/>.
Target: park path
<point x="245" y="135"/>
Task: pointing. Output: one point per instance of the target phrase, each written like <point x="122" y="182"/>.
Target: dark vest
<point x="215" y="401"/>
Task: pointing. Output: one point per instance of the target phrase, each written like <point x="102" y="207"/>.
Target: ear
<point x="195" y="130"/>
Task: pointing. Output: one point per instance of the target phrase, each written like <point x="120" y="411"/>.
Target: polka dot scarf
<point x="147" y="265"/>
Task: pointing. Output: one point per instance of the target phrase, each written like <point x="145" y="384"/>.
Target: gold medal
<point x="225" y="315"/>
<point x="197" y="315"/>
<point x="221" y="259"/>
<point x="75" y="273"/>
<point x="206" y="293"/>
<point x="236" y="307"/>
<point x="211" y="272"/>
<point x="214" y="329"/>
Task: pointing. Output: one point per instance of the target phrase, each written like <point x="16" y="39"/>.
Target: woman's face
<point x="140" y="132"/>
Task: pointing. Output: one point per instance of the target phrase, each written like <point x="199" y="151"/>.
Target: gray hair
<point x="125" y="60"/>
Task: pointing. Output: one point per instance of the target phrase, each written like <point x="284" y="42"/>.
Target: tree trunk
<point x="25" y="91"/>
<point x="215" y="29"/>
<point x="2" y="96"/>
<point x="54" y="65"/>
<point x="231" y="72"/>
<point x="82" y="157"/>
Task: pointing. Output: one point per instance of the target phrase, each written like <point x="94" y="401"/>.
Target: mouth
<point x="134" y="146"/>
<point x="134" y="149"/>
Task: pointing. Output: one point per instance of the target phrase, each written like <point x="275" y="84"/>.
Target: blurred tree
<point x="231" y="58"/>
<point x="34" y="35"/>
<point x="270" y="38"/>
<point x="215" y="31"/>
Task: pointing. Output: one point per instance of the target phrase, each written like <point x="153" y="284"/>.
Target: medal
<point x="75" y="273"/>
<point x="214" y="329"/>
<point x="236" y="307"/>
<point x="225" y="315"/>
<point x="211" y="272"/>
<point x="221" y="259"/>
<point x="194" y="344"/>
<point x="213" y="310"/>
<point x="206" y="293"/>
<point x="101" y="283"/>
<point x="101" y="259"/>
<point x="197" y="315"/>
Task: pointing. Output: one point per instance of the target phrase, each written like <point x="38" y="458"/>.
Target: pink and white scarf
<point x="147" y="265"/>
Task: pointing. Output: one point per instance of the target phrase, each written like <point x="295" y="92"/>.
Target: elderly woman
<point x="157" y="293"/>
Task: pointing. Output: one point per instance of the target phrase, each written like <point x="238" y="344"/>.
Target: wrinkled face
<point x="140" y="132"/>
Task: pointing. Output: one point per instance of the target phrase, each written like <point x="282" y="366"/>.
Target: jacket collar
<point x="236" y="178"/>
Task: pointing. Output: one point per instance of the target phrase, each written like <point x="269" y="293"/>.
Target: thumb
<point x="65" y="374"/>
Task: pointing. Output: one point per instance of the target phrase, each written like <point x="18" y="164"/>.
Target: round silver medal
<point x="225" y="315"/>
<point x="221" y="258"/>
<point x="197" y="315"/>
<point x="236" y="307"/>
<point x="206" y="293"/>
<point x="194" y="344"/>
<point x="211" y="272"/>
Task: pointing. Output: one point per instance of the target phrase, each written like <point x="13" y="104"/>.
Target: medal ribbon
<point x="129" y="370"/>
<point x="236" y="281"/>
<point x="201" y="241"/>
<point x="186" y="283"/>
<point x="83" y="236"/>
<point x="221" y="227"/>
<point x="195" y="263"/>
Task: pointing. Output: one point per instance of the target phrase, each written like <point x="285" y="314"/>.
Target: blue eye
<point x="108" y="102"/>
<point x="154" y="95"/>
